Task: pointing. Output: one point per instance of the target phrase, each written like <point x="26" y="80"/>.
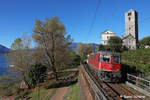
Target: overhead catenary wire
<point x="94" y="18"/>
<point x="95" y="15"/>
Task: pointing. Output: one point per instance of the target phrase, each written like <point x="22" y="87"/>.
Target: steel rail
<point x="102" y="90"/>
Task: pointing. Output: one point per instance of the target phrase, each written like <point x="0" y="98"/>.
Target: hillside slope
<point x="139" y="59"/>
<point x="3" y="49"/>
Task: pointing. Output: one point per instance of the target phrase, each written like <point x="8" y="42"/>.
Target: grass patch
<point x="8" y="86"/>
<point x="72" y="93"/>
<point x="50" y="94"/>
<point x="44" y="92"/>
<point x="48" y="88"/>
<point x="21" y="95"/>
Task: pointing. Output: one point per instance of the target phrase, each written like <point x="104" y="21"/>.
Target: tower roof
<point x="131" y="10"/>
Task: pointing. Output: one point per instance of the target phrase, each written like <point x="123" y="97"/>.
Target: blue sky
<point x="17" y="17"/>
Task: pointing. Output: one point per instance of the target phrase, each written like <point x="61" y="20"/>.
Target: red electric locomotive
<point x="106" y="65"/>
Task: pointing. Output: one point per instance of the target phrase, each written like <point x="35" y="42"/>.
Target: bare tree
<point x="20" y="55"/>
<point x="83" y="50"/>
<point x="80" y="49"/>
<point x="50" y="36"/>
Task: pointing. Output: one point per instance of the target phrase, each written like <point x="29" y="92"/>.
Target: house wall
<point x="105" y="37"/>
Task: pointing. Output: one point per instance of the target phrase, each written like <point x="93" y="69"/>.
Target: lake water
<point x="3" y="65"/>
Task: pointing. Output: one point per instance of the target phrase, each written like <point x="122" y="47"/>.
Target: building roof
<point x="107" y="32"/>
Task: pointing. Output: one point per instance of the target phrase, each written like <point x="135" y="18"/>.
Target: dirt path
<point x="60" y="93"/>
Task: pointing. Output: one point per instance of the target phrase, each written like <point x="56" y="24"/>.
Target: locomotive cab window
<point x="116" y="59"/>
<point x="105" y="58"/>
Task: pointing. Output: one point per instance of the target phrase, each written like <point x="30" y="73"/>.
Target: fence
<point x="139" y="84"/>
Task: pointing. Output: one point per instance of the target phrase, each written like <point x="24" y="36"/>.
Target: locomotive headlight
<point x="111" y="65"/>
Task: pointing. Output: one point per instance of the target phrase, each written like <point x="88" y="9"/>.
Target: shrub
<point x="140" y="59"/>
<point x="35" y="74"/>
<point x="144" y="42"/>
<point x="102" y="47"/>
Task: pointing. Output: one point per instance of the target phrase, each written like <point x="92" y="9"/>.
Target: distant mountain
<point x="94" y="45"/>
<point x="3" y="49"/>
<point x="74" y="46"/>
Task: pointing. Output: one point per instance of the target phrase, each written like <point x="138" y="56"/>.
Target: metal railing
<point x="93" y="86"/>
<point x="139" y="82"/>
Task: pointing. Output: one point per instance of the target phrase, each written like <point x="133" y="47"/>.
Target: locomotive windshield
<point x="105" y="58"/>
<point x="116" y="59"/>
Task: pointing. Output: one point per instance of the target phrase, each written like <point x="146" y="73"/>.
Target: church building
<point x="131" y="30"/>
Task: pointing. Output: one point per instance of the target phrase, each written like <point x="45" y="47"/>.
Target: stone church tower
<point x="131" y="29"/>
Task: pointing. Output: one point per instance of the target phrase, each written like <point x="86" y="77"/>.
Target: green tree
<point x="74" y="59"/>
<point x="51" y="37"/>
<point x="144" y="42"/>
<point x="101" y="47"/>
<point x="114" y="44"/>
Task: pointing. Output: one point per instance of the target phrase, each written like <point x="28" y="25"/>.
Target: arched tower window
<point x="129" y="14"/>
<point x="129" y="18"/>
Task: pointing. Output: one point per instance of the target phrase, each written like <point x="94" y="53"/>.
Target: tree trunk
<point x="53" y="58"/>
<point x="56" y="75"/>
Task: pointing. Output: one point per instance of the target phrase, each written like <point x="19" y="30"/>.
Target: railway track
<point x="122" y="91"/>
<point x="111" y="91"/>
